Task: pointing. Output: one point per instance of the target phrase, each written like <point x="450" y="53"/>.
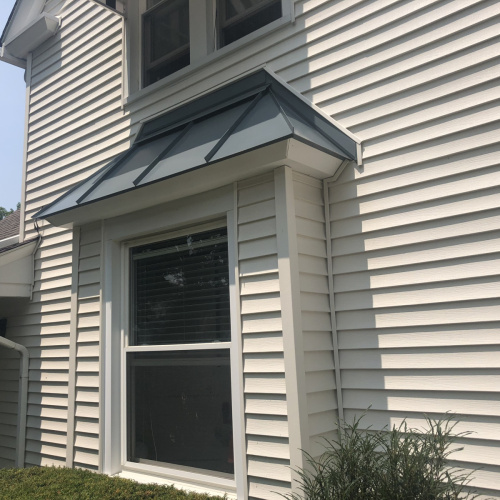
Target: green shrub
<point x="47" y="483"/>
<point x="401" y="464"/>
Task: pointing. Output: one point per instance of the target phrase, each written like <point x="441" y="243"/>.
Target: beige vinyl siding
<point x="86" y="416"/>
<point x="266" y="413"/>
<point x="9" y="396"/>
<point x="415" y="230"/>
<point x="75" y="117"/>
<point x="315" y="306"/>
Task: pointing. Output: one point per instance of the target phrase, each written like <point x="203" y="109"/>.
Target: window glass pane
<point x="166" y="39"/>
<point x="180" y="290"/>
<point x="179" y="409"/>
<point x="238" y="18"/>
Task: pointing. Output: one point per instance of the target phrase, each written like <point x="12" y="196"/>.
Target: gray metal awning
<point x="249" y="114"/>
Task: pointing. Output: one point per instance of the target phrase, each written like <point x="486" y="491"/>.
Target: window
<point x="176" y="34"/>
<point x="177" y="358"/>
<point x="238" y="18"/>
<point x="166" y="38"/>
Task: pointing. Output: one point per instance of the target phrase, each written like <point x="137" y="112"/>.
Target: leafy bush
<point x="47" y="483"/>
<point x="401" y="464"/>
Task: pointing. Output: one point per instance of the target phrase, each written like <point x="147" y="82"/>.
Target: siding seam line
<point x="333" y="319"/>
<point x="72" y="349"/>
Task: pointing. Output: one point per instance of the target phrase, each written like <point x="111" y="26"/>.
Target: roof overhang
<point x="26" y="29"/>
<point x="16" y="269"/>
<point x="244" y="129"/>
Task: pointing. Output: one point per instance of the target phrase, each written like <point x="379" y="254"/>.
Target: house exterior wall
<point x="9" y="376"/>
<point x="74" y="106"/>
<point x="413" y="231"/>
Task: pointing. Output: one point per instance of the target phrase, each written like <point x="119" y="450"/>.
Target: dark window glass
<point x="179" y="409"/>
<point x="166" y="38"/>
<point x="180" y="290"/>
<point x="238" y="18"/>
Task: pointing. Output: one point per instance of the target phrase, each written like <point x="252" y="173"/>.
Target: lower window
<point x="178" y="362"/>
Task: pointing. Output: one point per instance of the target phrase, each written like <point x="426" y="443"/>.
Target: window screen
<point x="179" y="409"/>
<point x="181" y="290"/>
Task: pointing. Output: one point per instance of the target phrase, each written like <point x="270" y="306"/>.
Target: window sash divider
<point x="179" y="347"/>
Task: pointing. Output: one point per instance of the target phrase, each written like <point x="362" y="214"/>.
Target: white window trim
<point x="118" y="236"/>
<point x="203" y="51"/>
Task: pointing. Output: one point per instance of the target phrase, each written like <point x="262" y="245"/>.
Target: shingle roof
<point x="9" y="226"/>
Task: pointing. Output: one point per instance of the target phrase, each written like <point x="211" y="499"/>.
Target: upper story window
<point x="175" y="34"/>
<point x="238" y="18"/>
<point x="165" y="38"/>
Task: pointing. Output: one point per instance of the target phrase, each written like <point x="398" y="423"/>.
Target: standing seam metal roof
<point x="245" y="115"/>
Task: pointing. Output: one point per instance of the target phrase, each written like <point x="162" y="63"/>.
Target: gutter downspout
<point x="23" y="400"/>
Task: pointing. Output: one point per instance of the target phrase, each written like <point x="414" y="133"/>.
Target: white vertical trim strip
<point x="102" y="345"/>
<point x="288" y="268"/>
<point x="124" y="342"/>
<point x="29" y="63"/>
<point x="73" y="333"/>
<point x="333" y="319"/>
<point x="237" y="384"/>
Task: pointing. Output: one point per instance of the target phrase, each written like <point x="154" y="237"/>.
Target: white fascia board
<point x="5" y="57"/>
<point x="31" y="37"/>
<point x="9" y="241"/>
<point x="16" y="271"/>
<point x="7" y="258"/>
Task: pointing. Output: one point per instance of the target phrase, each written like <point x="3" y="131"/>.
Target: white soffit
<point x="16" y="270"/>
<point x="31" y="36"/>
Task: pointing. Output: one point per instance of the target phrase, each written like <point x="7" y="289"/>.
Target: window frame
<point x="118" y="234"/>
<point x="203" y="44"/>
<point x="168" y="469"/>
<point x="148" y="65"/>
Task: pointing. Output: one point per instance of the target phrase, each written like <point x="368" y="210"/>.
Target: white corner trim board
<point x="23" y="397"/>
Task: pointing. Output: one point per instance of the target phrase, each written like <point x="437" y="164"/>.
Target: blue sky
<point x="12" y="99"/>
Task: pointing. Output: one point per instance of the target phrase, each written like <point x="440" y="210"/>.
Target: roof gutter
<point x="23" y="397"/>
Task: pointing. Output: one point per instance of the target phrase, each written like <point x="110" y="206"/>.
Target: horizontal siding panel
<point x="461" y="184"/>
<point x="414" y="336"/>
<point x="259" y="266"/>
<point x="263" y="363"/>
<point x="459" y="269"/>
<point x="486" y="288"/>
<point x="258" y="425"/>
<point x="264" y="384"/>
<point x="424" y="212"/>
<point x="263" y="342"/>
<point x="258" y="248"/>
<point x="455" y="248"/>
<point x="259" y="404"/>
<point x="268" y="447"/>
<point x="257" y="229"/>
<point x="269" y="468"/>
<point x="444" y="357"/>
<point x="320" y="402"/>
<point x="445" y="379"/>
<point x="259" y="323"/>
<point x="253" y="285"/>
<point x="471" y="403"/>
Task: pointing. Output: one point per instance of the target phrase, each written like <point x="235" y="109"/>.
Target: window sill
<point x="186" y="480"/>
<point x="215" y="56"/>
